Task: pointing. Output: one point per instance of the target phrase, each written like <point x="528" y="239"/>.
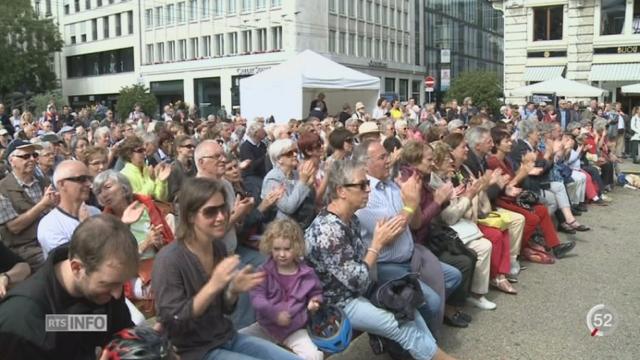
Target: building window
<point x="262" y="39"/>
<point x="182" y="49"/>
<point x="159" y="16"/>
<point x="148" y="18"/>
<point x="149" y="53"/>
<point x="342" y="9"/>
<point x="392" y="51"/>
<point x="342" y="43"/>
<point x="385" y="47"/>
<point x="217" y="8"/>
<point x="207" y="95"/>
<point x="404" y="89"/>
<point x="206" y="46"/>
<point x="99" y="2"/>
<point x="246" y="6"/>
<point x="66" y="9"/>
<point x="332" y="6"/>
<point x="377" y="14"/>
<point x="130" y="22"/>
<point x="361" y="46"/>
<point x="246" y="41"/>
<point x="194" y="48"/>
<point x="233" y="43"/>
<point x="612" y="17"/>
<point x="94" y="29"/>
<point x="105" y="27"/>
<point x="415" y="90"/>
<point x="369" y="46"/>
<point x="635" y="24"/>
<point x="218" y="46"/>
<point x="118" y="24"/>
<point x="276" y="37"/>
<point x="73" y="39"/>
<point x="361" y="9"/>
<point x="83" y="38"/>
<point x="351" y="7"/>
<point x="171" y="55"/>
<point x="547" y="23"/>
<point x="390" y="84"/>
<point x="332" y="41"/>
<point x="276" y="3"/>
<point x="205" y="9"/>
<point x="231" y="7"/>
<point x="87" y="6"/>
<point x="160" y="52"/>
<point x="352" y="44"/>
<point x="385" y="11"/>
<point x="261" y="4"/>
<point x="392" y="17"/>
<point x="370" y="11"/>
<point x="180" y="13"/>
<point x="193" y="10"/>
<point x="76" y="6"/>
<point x="171" y="8"/>
<point x="107" y="62"/>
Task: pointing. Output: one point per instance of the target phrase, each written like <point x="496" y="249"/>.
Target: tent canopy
<point x="631" y="89"/>
<point x="561" y="87"/>
<point x="286" y="90"/>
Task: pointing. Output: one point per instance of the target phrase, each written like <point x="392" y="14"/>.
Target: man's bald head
<point x="73" y="181"/>
<point x="209" y="158"/>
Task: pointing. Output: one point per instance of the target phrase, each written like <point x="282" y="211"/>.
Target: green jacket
<point x="141" y="182"/>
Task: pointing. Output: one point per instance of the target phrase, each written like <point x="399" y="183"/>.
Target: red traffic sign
<point x="429" y="81"/>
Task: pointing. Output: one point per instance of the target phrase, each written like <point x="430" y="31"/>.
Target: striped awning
<point x="615" y="72"/>
<point x="542" y="73"/>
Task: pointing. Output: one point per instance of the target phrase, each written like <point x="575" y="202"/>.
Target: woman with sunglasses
<point x="151" y="181"/>
<point x="196" y="284"/>
<point x="147" y="223"/>
<point x="183" y="165"/>
<point x="298" y="200"/>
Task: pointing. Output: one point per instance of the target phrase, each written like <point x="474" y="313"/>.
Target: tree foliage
<point x="482" y="86"/>
<point x="39" y="102"/>
<point x="131" y="95"/>
<point x="26" y="49"/>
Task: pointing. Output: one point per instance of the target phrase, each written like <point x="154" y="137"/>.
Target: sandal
<point x="578" y="227"/>
<point x="503" y="285"/>
<point x="566" y="228"/>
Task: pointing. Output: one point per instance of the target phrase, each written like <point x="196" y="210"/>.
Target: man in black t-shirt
<point x="85" y="277"/>
<point x="12" y="269"/>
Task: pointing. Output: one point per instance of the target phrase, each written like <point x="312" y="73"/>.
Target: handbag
<point x="495" y="219"/>
<point x="467" y="230"/>
<point x="527" y="199"/>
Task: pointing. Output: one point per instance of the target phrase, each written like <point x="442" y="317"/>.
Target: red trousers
<point x="591" y="187"/>
<point x="500" y="251"/>
<point x="538" y="217"/>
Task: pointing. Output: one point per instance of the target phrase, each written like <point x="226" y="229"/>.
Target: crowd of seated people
<point x="229" y="235"/>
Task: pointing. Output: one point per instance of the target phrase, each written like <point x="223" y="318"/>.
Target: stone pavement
<point x="547" y="319"/>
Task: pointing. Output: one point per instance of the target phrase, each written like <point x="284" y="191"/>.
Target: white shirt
<point x="56" y="228"/>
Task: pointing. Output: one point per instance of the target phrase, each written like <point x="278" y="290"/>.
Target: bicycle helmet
<point x="329" y="329"/>
<point x="139" y="343"/>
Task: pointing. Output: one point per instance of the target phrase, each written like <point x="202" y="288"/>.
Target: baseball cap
<point x="368" y="127"/>
<point x="52" y="138"/>
<point x="66" y="129"/>
<point x="20" y="144"/>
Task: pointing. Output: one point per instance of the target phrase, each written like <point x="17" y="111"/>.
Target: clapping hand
<point x="132" y="213"/>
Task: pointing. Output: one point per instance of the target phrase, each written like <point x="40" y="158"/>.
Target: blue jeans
<point x="244" y="347"/>
<point x="414" y="336"/>
<point x="452" y="278"/>
<point x="244" y="315"/>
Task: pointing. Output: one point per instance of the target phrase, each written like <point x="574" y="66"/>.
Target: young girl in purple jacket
<point x="291" y="288"/>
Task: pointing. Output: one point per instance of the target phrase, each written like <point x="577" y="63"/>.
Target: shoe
<point x="464" y="316"/>
<point x="575" y="209"/>
<point x="578" y="227"/>
<point x="566" y="228"/>
<point x="455" y="320"/>
<point x="599" y="202"/>
<point x="503" y="285"/>
<point x="512" y="278"/>
<point x="515" y="268"/>
<point x="583" y="207"/>
<point x="561" y="250"/>
<point x="481" y="303"/>
<point x="606" y="198"/>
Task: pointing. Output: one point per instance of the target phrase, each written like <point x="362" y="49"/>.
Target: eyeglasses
<point x="364" y="185"/>
<point x="291" y="153"/>
<point x="79" y="179"/>
<point x="139" y="150"/>
<point x="27" y="156"/>
<point x="217" y="156"/>
<point x="188" y="146"/>
<point x="212" y="212"/>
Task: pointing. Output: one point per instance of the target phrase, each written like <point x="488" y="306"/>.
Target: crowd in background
<point x="303" y="213"/>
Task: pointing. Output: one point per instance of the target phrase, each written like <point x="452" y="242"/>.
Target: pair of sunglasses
<point x="79" y="179"/>
<point x="363" y="185"/>
<point x="27" y="156"/>
<point x="212" y="212"/>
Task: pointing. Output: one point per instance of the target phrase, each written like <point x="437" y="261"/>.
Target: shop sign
<point x="252" y="70"/>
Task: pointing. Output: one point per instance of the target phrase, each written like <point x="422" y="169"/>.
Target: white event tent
<point x="631" y="89"/>
<point x="286" y="90"/>
<point x="561" y="87"/>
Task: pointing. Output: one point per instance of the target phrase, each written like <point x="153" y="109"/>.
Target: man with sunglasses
<point x="24" y="199"/>
<point x="73" y="182"/>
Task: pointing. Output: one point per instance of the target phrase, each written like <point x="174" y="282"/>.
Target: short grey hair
<point x="527" y="127"/>
<point x="573" y="125"/>
<point x="116" y="177"/>
<point x="341" y="173"/>
<point x="101" y="132"/>
<point x="150" y="138"/>
<point x="45" y="146"/>
<point x="474" y="136"/>
<point x="253" y="128"/>
<point x="279" y="129"/>
<point x="599" y="124"/>
<point x="399" y="124"/>
<point x="351" y="121"/>
<point x="361" y="152"/>
<point x="279" y="147"/>
<point x="545" y="128"/>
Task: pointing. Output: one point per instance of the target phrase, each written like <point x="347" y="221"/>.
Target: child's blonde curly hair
<point x="283" y="228"/>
